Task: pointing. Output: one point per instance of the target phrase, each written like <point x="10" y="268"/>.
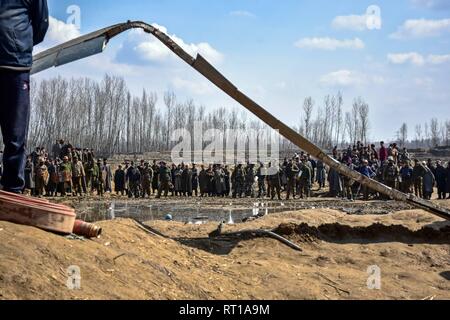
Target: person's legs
<point x="420" y="186"/>
<point x="307" y="190"/>
<point x="130" y="190"/>
<point x="288" y="189"/>
<point x="160" y="190"/>
<point x="14" y="119"/>
<point x="83" y="184"/>
<point x="301" y="189"/>
<point x="262" y="189"/>
<point x="63" y="189"/>
<point x="365" y="193"/>
<point x="78" y="187"/>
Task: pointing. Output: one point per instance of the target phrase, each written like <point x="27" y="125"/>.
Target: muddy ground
<point x="174" y="260"/>
<point x="183" y="209"/>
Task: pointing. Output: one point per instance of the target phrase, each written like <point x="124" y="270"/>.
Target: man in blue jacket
<point x="23" y="24"/>
<point x="367" y="171"/>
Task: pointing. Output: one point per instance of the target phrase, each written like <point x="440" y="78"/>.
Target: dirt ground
<point x="129" y="262"/>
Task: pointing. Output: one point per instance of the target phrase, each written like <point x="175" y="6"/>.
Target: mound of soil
<point x="129" y="262"/>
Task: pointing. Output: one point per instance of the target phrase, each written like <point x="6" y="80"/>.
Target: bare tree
<point x="403" y="134"/>
<point x="364" y="120"/>
<point x="350" y="127"/>
<point x="169" y="101"/>
<point x="419" y="135"/>
<point x="356" y="122"/>
<point x="308" y="107"/>
<point x="339" y="116"/>
<point x="427" y="134"/>
<point x="434" y="131"/>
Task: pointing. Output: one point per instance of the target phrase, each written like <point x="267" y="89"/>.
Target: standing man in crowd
<point x="203" y="181"/>
<point x="65" y="176"/>
<point x="23" y="24"/>
<point x="291" y="173"/>
<point x="194" y="180"/>
<point x="417" y="176"/>
<point x="441" y="180"/>
<point x="29" y="182"/>
<point x="406" y="174"/>
<point x="146" y="180"/>
<point x="429" y="181"/>
<point x="321" y="174"/>
<point x="155" y="178"/>
<point x="367" y="171"/>
<point x="101" y="177"/>
<point x="383" y="153"/>
<point x="119" y="181"/>
<point x="134" y="180"/>
<point x="53" y="181"/>
<point x="274" y="179"/>
<point x="304" y="181"/>
<point x="238" y="179"/>
<point x="77" y="176"/>
<point x="107" y="176"/>
<point x="164" y="180"/>
<point x="391" y="173"/>
<point x="262" y="176"/>
<point x="42" y="177"/>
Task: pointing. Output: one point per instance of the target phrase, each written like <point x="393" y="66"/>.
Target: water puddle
<point x="228" y="212"/>
<point x="188" y="213"/>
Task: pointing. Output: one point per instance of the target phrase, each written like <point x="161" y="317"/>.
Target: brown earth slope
<point x="130" y="263"/>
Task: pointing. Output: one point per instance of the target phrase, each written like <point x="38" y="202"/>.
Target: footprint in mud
<point x="345" y="260"/>
<point x="323" y="261"/>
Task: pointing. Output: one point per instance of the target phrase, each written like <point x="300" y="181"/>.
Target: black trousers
<point x="14" y="121"/>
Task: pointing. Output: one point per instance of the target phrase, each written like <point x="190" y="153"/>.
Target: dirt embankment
<point x="130" y="263"/>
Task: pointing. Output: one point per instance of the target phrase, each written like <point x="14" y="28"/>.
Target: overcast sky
<point x="279" y="52"/>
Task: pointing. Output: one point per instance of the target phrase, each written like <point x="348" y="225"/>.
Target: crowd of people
<point x="393" y="167"/>
<point x="67" y="170"/>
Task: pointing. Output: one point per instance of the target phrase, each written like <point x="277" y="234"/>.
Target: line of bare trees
<point x="105" y="116"/>
<point x="427" y="135"/>
<point x="329" y="125"/>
